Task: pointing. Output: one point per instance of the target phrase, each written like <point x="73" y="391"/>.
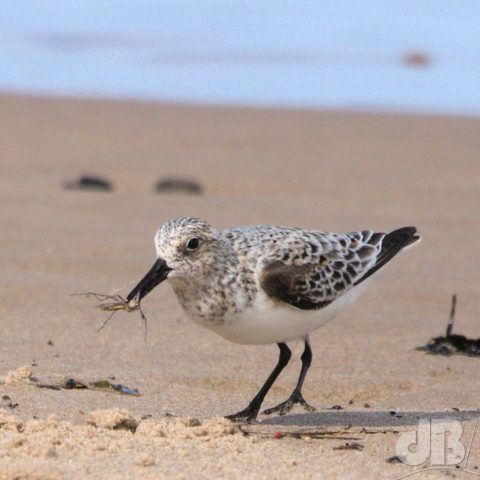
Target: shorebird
<point x="266" y="284"/>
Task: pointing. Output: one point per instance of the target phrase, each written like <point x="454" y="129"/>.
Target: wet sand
<point x="331" y="171"/>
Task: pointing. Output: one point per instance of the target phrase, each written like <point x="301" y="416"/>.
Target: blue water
<point x="328" y="54"/>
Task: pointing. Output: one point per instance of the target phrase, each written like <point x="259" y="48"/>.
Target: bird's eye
<point x="193" y="244"/>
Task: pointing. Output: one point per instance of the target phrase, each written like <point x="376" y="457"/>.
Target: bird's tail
<point x="392" y="243"/>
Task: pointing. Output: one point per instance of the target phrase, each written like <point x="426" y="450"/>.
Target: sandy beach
<point x="330" y="171"/>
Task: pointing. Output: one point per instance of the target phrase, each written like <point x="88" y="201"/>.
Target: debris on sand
<point x="182" y="185"/>
<point x="73" y="384"/>
<point x="89" y="182"/>
<point x="394" y="459"/>
<point x="452" y="344"/>
<point x="24" y="376"/>
<point x="7" y="402"/>
<point x="349" y="446"/>
<point x="66" y="383"/>
<point x="117" y="387"/>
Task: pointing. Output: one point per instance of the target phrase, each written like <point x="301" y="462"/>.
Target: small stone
<point x="69" y="383"/>
<point x="89" y="182"/>
<point x="183" y="185"/>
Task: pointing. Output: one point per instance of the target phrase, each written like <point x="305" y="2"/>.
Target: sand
<point x="332" y="171"/>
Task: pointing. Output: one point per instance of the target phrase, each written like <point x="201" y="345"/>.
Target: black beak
<point x="157" y="274"/>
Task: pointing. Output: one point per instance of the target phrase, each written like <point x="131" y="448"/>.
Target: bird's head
<point x="185" y="246"/>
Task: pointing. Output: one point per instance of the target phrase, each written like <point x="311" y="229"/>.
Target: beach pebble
<point x="88" y="182"/>
<point x="181" y="185"/>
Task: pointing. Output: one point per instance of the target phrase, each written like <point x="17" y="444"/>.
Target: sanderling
<point x="266" y="284"/>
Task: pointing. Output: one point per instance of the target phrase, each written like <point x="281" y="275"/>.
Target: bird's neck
<point x="214" y="293"/>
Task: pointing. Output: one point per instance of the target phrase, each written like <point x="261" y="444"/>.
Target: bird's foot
<point x="284" y="407"/>
<point x="248" y="414"/>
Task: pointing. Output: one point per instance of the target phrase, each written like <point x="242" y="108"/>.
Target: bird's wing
<point x="312" y="274"/>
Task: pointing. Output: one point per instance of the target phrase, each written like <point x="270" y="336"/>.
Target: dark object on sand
<point x="117" y="387"/>
<point x="181" y="185"/>
<point x="350" y="446"/>
<point x="394" y="459"/>
<point x="87" y="182"/>
<point x="452" y="344"/>
<point x="66" y="383"/>
<point x="6" y="401"/>
<point x="72" y="384"/>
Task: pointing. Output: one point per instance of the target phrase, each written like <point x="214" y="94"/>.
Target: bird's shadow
<point x="367" y="419"/>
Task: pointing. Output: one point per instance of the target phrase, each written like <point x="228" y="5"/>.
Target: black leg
<point x="296" y="396"/>
<point x="251" y="412"/>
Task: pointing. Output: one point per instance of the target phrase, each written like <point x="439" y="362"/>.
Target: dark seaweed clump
<point x="452" y="344"/>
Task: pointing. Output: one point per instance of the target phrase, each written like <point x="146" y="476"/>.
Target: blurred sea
<point x="406" y="56"/>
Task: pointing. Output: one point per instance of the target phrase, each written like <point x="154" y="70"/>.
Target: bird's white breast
<point x="266" y="322"/>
